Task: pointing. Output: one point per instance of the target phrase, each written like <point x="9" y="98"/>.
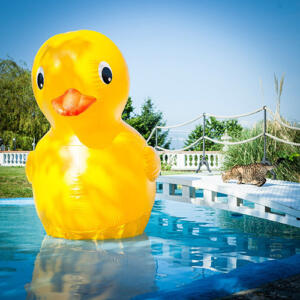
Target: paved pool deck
<point x="276" y="200"/>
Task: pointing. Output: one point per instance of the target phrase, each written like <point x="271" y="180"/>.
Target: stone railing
<point x="179" y="161"/>
<point x="13" y="158"/>
<point x="189" y="160"/>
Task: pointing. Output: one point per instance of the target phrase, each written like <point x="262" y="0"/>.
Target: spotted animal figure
<point x="251" y="174"/>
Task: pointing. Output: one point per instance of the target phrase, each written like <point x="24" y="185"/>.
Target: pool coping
<point x="17" y="201"/>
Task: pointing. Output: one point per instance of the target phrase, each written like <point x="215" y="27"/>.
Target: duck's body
<point x="92" y="183"/>
<point x="89" y="193"/>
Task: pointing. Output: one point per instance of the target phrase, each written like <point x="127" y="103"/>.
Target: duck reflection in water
<point x="113" y="269"/>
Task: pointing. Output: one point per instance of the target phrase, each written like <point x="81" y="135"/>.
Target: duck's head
<point x="80" y="81"/>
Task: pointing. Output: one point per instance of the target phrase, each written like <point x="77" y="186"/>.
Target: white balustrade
<point x="189" y="160"/>
<point x="179" y="161"/>
<point x="13" y="158"/>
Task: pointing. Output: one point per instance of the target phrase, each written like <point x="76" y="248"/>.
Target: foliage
<point x="214" y="129"/>
<point x="22" y="142"/>
<point x="166" y="166"/>
<point x="19" y="114"/>
<point x="252" y="152"/>
<point x="128" y="110"/>
<point x="146" y="121"/>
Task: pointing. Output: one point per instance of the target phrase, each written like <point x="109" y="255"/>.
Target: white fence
<point x="189" y="160"/>
<point x="13" y="158"/>
<point x="178" y="161"/>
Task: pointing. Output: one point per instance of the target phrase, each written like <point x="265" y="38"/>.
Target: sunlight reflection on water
<point x="182" y="243"/>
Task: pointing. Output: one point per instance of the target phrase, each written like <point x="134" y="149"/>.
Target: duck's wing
<point x="29" y="169"/>
<point x="151" y="159"/>
<point x="152" y="163"/>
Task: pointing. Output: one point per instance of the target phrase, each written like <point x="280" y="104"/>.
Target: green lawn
<point x="13" y="183"/>
<point x="175" y="172"/>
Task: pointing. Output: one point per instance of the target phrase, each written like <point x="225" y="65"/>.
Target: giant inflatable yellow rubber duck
<point x="93" y="176"/>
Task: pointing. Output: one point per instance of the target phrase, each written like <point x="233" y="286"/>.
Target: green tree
<point x="128" y="110"/>
<point x="213" y="129"/>
<point x="19" y="114"/>
<point x="146" y="121"/>
<point x="21" y="118"/>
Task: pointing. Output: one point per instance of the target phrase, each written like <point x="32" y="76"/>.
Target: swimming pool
<point x="183" y="245"/>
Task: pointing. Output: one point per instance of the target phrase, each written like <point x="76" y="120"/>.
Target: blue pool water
<point x="183" y="244"/>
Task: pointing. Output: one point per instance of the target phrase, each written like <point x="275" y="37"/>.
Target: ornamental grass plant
<point x="252" y="152"/>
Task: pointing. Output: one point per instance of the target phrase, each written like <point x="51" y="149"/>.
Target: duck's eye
<point x="40" y="78"/>
<point x="105" y="72"/>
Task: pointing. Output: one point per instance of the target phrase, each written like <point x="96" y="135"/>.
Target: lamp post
<point x="33" y="143"/>
<point x="14" y="143"/>
<point x="265" y="160"/>
<point x="226" y="138"/>
<point x="203" y="160"/>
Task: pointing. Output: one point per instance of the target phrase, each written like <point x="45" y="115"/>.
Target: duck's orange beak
<point x="72" y="103"/>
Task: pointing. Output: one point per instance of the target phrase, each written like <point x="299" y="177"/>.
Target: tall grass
<point x="252" y="152"/>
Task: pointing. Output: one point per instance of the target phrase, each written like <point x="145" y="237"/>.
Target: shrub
<point x="23" y="142"/>
<point x="166" y="166"/>
<point x="252" y="152"/>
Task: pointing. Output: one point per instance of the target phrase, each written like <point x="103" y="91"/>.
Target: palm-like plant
<point x="278" y="91"/>
<point x="252" y="152"/>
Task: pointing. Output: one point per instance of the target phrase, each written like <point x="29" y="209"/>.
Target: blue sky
<point x="188" y="56"/>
